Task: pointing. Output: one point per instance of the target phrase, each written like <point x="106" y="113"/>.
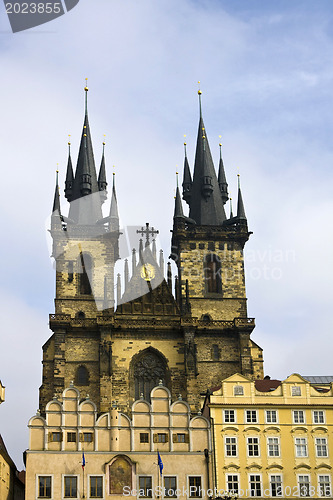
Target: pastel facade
<point x="120" y="451"/>
<point x="274" y="443"/>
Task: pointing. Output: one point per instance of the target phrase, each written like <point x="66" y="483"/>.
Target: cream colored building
<point x="273" y="443"/>
<point x="120" y="452"/>
<point x="11" y="487"/>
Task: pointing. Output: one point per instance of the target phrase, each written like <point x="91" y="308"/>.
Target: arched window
<point x="82" y="376"/>
<point x="212" y="272"/>
<point x="149" y="369"/>
<point x="85" y="268"/>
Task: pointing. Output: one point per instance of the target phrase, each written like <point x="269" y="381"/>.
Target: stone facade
<point x="186" y="333"/>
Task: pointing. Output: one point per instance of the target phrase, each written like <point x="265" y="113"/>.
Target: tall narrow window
<point x="85" y="268"/>
<point x="44" y="486"/>
<point x="82" y="376"/>
<point x="212" y="272"/>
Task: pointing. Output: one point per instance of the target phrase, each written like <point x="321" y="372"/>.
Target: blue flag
<point x="83" y="460"/>
<point x="159" y="461"/>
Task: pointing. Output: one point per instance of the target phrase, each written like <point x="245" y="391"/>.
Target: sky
<point x="266" y="77"/>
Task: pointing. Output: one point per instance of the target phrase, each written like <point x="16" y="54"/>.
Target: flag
<point x="159" y="461"/>
<point x="83" y="460"/>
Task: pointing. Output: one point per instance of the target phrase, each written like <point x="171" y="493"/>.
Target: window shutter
<point x="187" y="438"/>
<point x="155" y="438"/>
<point x="166" y="438"/>
<point x="61" y="436"/>
<point x="174" y="438"/>
<point x="50" y="437"/>
<point x="81" y="437"/>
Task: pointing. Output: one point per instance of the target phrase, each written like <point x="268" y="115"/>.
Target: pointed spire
<point x="69" y="174"/>
<point x="133" y="261"/>
<point x="169" y="275"/>
<point x="187" y="179"/>
<point x="89" y="210"/>
<point x="222" y="179"/>
<point x="178" y="202"/>
<point x="114" y="217"/>
<point x="126" y="273"/>
<point x="231" y="213"/>
<point x="118" y="289"/>
<point x="56" y="200"/>
<point x="161" y="262"/>
<point x="154" y="249"/>
<point x="240" y="204"/>
<point x="56" y="212"/>
<point x="102" y="184"/>
<point x="206" y="206"/>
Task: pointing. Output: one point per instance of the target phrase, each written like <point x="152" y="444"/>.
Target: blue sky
<point x="266" y="76"/>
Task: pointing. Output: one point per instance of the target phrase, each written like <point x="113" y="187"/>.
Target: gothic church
<point x="190" y="333"/>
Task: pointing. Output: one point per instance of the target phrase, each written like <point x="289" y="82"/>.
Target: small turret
<point x="114" y="217"/>
<point x="102" y="184"/>
<point x="56" y="219"/>
<point x="240" y="204"/>
<point x="222" y="179"/>
<point x="69" y="176"/>
<point x="178" y="212"/>
<point x="187" y="179"/>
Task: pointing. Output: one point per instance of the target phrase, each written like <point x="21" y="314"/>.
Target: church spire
<point x="206" y="206"/>
<point x="69" y="174"/>
<point x="102" y="184"/>
<point x="56" y="212"/>
<point x="240" y="204"/>
<point x="187" y="179"/>
<point x="85" y="210"/>
<point x="114" y="217"/>
<point x="222" y="179"/>
<point x="178" y="203"/>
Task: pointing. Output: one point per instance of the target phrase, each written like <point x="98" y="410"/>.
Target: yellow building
<point x="11" y="486"/>
<point x="273" y="438"/>
<point x="120" y="453"/>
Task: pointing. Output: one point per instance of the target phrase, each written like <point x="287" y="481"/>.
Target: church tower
<point x="85" y="249"/>
<point x="207" y="248"/>
<point x="117" y="339"/>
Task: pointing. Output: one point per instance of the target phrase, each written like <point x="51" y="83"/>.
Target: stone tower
<point x="190" y="334"/>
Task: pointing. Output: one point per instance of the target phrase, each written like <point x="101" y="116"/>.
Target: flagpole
<point x="158" y="478"/>
<point x="83" y="483"/>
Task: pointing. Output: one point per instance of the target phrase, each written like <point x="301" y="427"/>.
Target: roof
<point x="318" y="379"/>
<point x="266" y="385"/>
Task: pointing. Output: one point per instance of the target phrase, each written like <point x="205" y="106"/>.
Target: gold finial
<point x="84" y="135"/>
<point x="69" y="139"/>
<point x="104" y="140"/>
<point x="185" y="138"/>
<point x="220" y="144"/>
<point x="86" y="87"/>
<point x="57" y="171"/>
<point x="199" y="91"/>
